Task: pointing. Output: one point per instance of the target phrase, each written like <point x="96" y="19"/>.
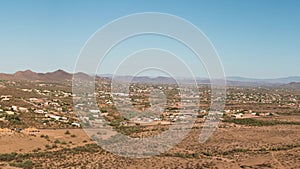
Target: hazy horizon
<point x="151" y="76"/>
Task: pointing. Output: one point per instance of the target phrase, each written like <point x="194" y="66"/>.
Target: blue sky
<point x="254" y="38"/>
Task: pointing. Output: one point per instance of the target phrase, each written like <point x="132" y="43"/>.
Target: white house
<point x="40" y="112"/>
<point x="239" y="115"/>
<point x="15" y="108"/>
<point x="23" y="109"/>
<point x="75" y="124"/>
<point x="10" y="112"/>
<point x="52" y="116"/>
<point x="95" y="111"/>
<point x="6" y="97"/>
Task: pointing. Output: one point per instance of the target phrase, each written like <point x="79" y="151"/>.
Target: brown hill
<point x="58" y="75"/>
<point x="29" y="75"/>
<point x="293" y="85"/>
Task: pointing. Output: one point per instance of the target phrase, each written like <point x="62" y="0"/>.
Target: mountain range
<point x="283" y="80"/>
<point x="29" y="75"/>
<point x="61" y="75"/>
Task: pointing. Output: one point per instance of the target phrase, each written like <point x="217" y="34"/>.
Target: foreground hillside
<point x="231" y="147"/>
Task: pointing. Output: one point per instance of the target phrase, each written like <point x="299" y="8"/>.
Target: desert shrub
<point x="45" y="137"/>
<point x="56" y="141"/>
<point x="207" y="154"/>
<point x="285" y="147"/>
<point x="264" y="165"/>
<point x="73" y="135"/>
<point x="256" y="122"/>
<point x="233" y="151"/>
<point x="117" y="121"/>
<point x="128" y="130"/>
<point x="8" y="157"/>
<point x="47" y="146"/>
<point x="26" y="164"/>
<point x="36" y="150"/>
<point x="13" y="119"/>
<point x="67" y="132"/>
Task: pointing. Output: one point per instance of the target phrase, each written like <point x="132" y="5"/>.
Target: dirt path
<point x="277" y="161"/>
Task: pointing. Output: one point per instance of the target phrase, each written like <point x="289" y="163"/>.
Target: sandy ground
<point x="23" y="143"/>
<point x="211" y="154"/>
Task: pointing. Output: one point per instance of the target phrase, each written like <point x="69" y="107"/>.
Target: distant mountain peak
<point x="292" y="85"/>
<point x="28" y="71"/>
<point x="60" y="70"/>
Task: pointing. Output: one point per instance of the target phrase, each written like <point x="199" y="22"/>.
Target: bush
<point x="67" y="132"/>
<point x="47" y="146"/>
<point x="36" y="150"/>
<point x="8" y="157"/>
<point x="45" y="137"/>
<point x="26" y="164"/>
<point x="54" y="146"/>
<point x="236" y="150"/>
<point x="256" y="122"/>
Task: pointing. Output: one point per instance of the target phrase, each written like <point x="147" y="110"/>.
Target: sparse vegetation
<point x="256" y="122"/>
<point x="47" y="146"/>
<point x="26" y="164"/>
<point x="8" y="157"/>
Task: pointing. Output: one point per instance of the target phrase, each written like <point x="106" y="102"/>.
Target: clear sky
<point x="254" y="38"/>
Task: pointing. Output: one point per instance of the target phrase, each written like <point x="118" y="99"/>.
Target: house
<point x="14" y="108"/>
<point x="33" y="99"/>
<point x="64" y="118"/>
<point x="121" y="94"/>
<point x="27" y="90"/>
<point x="10" y="112"/>
<point x="23" y="109"/>
<point x="36" y="100"/>
<point x="96" y="115"/>
<point x="123" y="123"/>
<point x="109" y="102"/>
<point x="75" y="124"/>
<point x="157" y="119"/>
<point x="239" y="115"/>
<point x="227" y="111"/>
<point x="95" y="111"/>
<point x="6" y="97"/>
<point x="40" y="112"/>
<point x="52" y="116"/>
